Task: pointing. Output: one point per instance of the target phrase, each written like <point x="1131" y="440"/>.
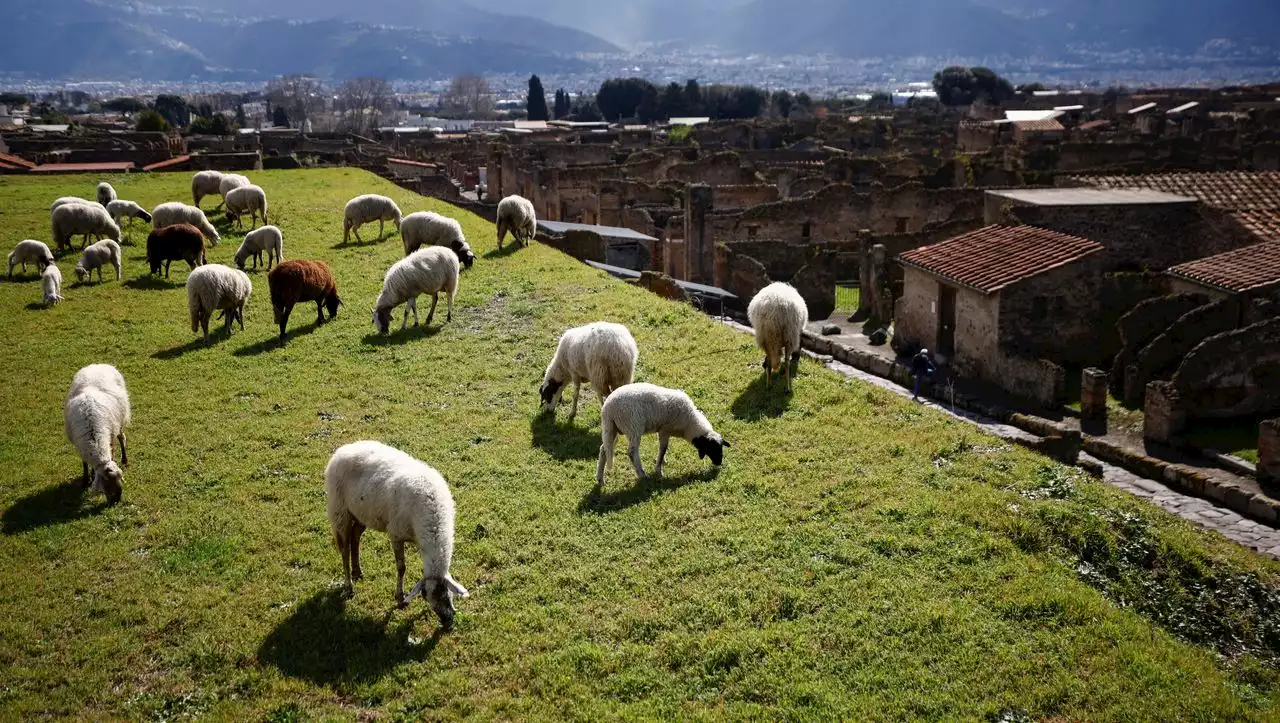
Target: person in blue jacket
<point x="921" y="367"/>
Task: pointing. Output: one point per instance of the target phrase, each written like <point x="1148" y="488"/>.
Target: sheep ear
<point x="455" y="587"/>
<point x="725" y="443"/>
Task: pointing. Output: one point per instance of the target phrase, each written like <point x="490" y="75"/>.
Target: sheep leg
<point x="398" y="546"/>
<point x="381" y="229"/>
<point x="574" y="409"/>
<point x="353" y="538"/>
<point x="240" y="316"/>
<point x="449" y="315"/>
<point x="786" y="363"/>
<point x="204" y="324"/>
<point x="633" y="451"/>
<point x="319" y="312"/>
<point x="124" y="452"/>
<point x="166" y="267"/>
<point x="84" y="480"/>
<point x="663" y="439"/>
<point x="768" y="374"/>
<point x="356" y="230"/>
<point x="431" y="314"/>
<point x="284" y="321"/>
<point x="348" y="588"/>
<point x="609" y="440"/>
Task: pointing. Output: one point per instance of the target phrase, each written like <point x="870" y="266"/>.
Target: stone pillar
<point x="1094" y="390"/>
<point x="1164" y="419"/>
<point x="493" y="175"/>
<point x="699" y="247"/>
<point x="1269" y="455"/>
<point x="1133" y="388"/>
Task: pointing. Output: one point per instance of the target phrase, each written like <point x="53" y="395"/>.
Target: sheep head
<point x="711" y="445"/>
<point x="550" y="392"/>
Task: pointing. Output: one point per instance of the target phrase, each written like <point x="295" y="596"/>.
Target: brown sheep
<point x="180" y="242"/>
<point x="292" y="282"/>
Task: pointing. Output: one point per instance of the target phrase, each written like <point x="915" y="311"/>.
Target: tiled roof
<point x="11" y="160"/>
<point x="1263" y="224"/>
<point x="1245" y="269"/>
<point x="1232" y="191"/>
<point x="994" y="257"/>
<point x="408" y="162"/>
<point x="175" y="161"/>
<point x="1038" y="126"/>
<point x="1094" y="125"/>
<point x="118" y="167"/>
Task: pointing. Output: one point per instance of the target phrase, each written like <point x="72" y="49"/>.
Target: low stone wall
<point x="1145" y="322"/>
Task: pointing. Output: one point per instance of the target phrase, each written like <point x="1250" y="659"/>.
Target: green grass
<point x="847" y="296"/>
<point x="858" y="557"/>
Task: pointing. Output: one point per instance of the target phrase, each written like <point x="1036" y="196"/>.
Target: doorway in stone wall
<point x="946" y="321"/>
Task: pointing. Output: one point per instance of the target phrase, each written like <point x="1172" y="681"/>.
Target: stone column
<point x="1094" y="390"/>
<point x="1269" y="455"/>
<point x="698" y="245"/>
<point x="1164" y="419"/>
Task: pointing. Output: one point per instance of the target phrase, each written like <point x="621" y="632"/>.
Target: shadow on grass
<point x="272" y="343"/>
<point x="21" y="277"/>
<point x="50" y="506"/>
<point x="353" y="244"/>
<point x="402" y="336"/>
<point x="215" y="335"/>
<point x="507" y="250"/>
<point x="152" y="283"/>
<point x="37" y="306"/>
<point x="598" y="501"/>
<point x="758" y="401"/>
<point x="563" y="441"/>
<point x="322" y="644"/>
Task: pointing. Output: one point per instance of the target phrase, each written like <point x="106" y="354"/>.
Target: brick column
<point x="1163" y="420"/>
<point x="1093" y="394"/>
<point x="698" y="245"/>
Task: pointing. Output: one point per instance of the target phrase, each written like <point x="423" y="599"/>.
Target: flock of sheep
<point x="369" y="484"/>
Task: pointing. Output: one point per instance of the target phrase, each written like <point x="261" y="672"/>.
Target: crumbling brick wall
<point x="1145" y="322"/>
<point x="1232" y="374"/>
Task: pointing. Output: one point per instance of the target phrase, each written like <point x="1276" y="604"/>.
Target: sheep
<point x="30" y="252"/>
<point x="205" y="183"/>
<point x="97" y="411"/>
<point x="425" y="228"/>
<point x="426" y="271"/>
<point x="215" y="287"/>
<point x="228" y="183"/>
<point x="68" y="199"/>
<point x="371" y="485"/>
<point x="106" y="194"/>
<point x="517" y="215"/>
<point x="267" y="238"/>
<point x="51" y="281"/>
<point x="602" y="353"/>
<point x="778" y="315"/>
<point x="82" y="219"/>
<point x="179" y="242"/>
<point x="639" y="409"/>
<point x="175" y="212"/>
<point x="367" y="209"/>
<point x="95" y="256"/>
<point x="127" y="209"/>
<point x="295" y="281"/>
<point x="246" y="199"/>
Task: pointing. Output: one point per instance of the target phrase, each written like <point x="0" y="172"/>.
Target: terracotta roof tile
<point x="175" y="161"/>
<point x="1245" y="269"/>
<point x="1094" y="125"/>
<point x="1263" y="224"/>
<point x="1232" y="191"/>
<point x="12" y="160"/>
<point x="1038" y="126"/>
<point x="118" y="167"/>
<point x="994" y="257"/>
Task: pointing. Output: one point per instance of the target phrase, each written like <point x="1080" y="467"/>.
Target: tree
<point x="216" y="125"/>
<point x="240" y="117"/>
<point x="958" y="85"/>
<point x="991" y="86"/>
<point x="585" y="110"/>
<point x="151" y="120"/>
<point x="693" y="103"/>
<point x="537" y="101"/>
<point x="621" y="97"/>
<point x="362" y="102"/>
<point x="280" y="117"/>
<point x="647" y="111"/>
<point x="671" y="102"/>
<point x="783" y="103"/>
<point x="174" y="109"/>
<point x="124" y="105"/>
<point x="1029" y="88"/>
<point x="13" y="100"/>
<point x="563" y="107"/>
<point x="468" y="96"/>
<point x="300" y="95"/>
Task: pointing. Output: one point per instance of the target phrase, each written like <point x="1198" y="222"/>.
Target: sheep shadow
<point x="353" y="244"/>
<point x="272" y="343"/>
<point x="52" y="505"/>
<point x="564" y="441"/>
<point x="22" y="277"/>
<point x="403" y="336"/>
<point x="600" y="502"/>
<point x="759" y="401"/>
<point x="215" y="335"/>
<point x="507" y="249"/>
<point x="321" y="644"/>
<point x="152" y="283"/>
<point x="38" y="306"/>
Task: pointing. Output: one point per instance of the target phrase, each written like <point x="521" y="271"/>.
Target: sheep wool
<point x="205" y="183"/>
<point x="369" y="485"/>
<point x="517" y="215"/>
<point x="639" y="409"/>
<point x="127" y="209"/>
<point x="106" y="194"/>
<point x="602" y="354"/>
<point x="30" y="251"/>
<point x="268" y="239"/>
<point x="246" y="199"/>
<point x="425" y="228"/>
<point x="51" y="284"/>
<point x="95" y="256"/>
<point x="68" y="199"/>
<point x="175" y="212"/>
<point x="367" y="209"/>
<point x="778" y="315"/>
<point x="228" y="183"/>
<point x="82" y="219"/>
<point x="97" y="411"/>
<point x="214" y="287"/>
<point x="426" y="271"/>
<point x="291" y="282"/>
<point x="179" y="242"/>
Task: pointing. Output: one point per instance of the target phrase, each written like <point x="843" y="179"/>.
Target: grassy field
<point x="857" y="557"/>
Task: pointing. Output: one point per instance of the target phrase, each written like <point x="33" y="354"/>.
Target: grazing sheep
<point x="127" y="209"/>
<point x="228" y="183"/>
<point x="602" y="354"/>
<point x="180" y="242"/>
<point x="370" y="485"/>
<point x="95" y="256"/>
<point x="51" y="281"/>
<point x="639" y="409"/>
<point x="30" y="252"/>
<point x="82" y="219"/>
<point x="425" y="228"/>
<point x="68" y="199"/>
<point x="214" y="287"/>
<point x="267" y="238"/>
<point x="292" y="282"/>
<point x="367" y="209"/>
<point x="426" y="271"/>
<point x="246" y="199"/>
<point x="175" y="212"/>
<point x="205" y="183"/>
<point x="778" y="315"/>
<point x="97" y="411"/>
<point x="516" y="214"/>
<point x="106" y="194"/>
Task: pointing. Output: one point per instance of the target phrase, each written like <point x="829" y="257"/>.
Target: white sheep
<point x="426" y="228"/>
<point x="214" y="287"/>
<point x="82" y="219"/>
<point x="602" y="354"/>
<point x="517" y="215"/>
<point x="426" y="271"/>
<point x="228" y="183"/>
<point x="778" y="315"/>
<point x="51" y="283"/>
<point x="95" y="256"/>
<point x="247" y="199"/>
<point x="106" y="194"/>
<point x="367" y="209"/>
<point x="64" y="200"/>
<point x="639" y="409"/>
<point x="268" y="239"/>
<point x="176" y="212"/>
<point x="97" y="412"/>
<point x="371" y="485"/>
<point x="121" y="210"/>
<point x="205" y="183"/>
<point x="30" y="251"/>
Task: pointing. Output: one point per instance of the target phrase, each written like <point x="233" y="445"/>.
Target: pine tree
<point x="537" y="104"/>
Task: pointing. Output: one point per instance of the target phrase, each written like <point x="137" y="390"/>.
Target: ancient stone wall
<point x="1161" y="357"/>
<point x="722" y="169"/>
<point x="1144" y="322"/>
<point x="1055" y="316"/>
<point x="1232" y="374"/>
<point x="915" y="314"/>
<point x="741" y="197"/>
